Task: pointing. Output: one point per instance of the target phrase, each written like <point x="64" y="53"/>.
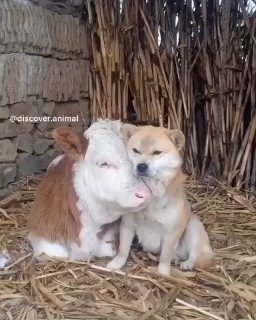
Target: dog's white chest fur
<point x="153" y="223"/>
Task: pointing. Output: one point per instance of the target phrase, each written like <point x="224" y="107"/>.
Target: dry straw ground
<point x="59" y="290"/>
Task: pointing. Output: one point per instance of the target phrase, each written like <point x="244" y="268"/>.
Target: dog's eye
<point x="156" y="152"/>
<point x="135" y="150"/>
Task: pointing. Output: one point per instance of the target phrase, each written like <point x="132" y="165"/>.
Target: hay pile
<point x="59" y="290"/>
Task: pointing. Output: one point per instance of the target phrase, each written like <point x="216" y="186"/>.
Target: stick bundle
<point x="183" y="64"/>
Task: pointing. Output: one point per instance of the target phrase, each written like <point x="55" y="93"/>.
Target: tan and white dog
<point x="167" y="225"/>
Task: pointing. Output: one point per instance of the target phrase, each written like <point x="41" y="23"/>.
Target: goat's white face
<point x="109" y="171"/>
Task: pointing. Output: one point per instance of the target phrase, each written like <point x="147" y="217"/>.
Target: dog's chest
<point x="150" y="228"/>
<point x="162" y="211"/>
<point x="157" y="212"/>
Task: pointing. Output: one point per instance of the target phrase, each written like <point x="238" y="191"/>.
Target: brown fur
<point x="54" y="214"/>
<point x="176" y="186"/>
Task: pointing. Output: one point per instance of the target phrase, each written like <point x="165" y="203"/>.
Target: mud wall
<point x="44" y="70"/>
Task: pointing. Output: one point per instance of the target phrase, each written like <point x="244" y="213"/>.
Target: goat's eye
<point x="156" y="152"/>
<point x="135" y="150"/>
<point x="106" y="165"/>
<point x="103" y="164"/>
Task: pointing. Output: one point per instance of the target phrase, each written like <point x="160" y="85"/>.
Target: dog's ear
<point x="177" y="137"/>
<point x="128" y="130"/>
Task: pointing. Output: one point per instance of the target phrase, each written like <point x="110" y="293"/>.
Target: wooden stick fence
<point x="182" y="64"/>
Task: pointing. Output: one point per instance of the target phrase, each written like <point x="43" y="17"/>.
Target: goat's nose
<point x="142" y="168"/>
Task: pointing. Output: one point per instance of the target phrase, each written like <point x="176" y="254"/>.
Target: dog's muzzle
<point x="142" y="169"/>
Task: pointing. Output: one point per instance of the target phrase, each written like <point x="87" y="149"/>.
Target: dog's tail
<point x="206" y="259"/>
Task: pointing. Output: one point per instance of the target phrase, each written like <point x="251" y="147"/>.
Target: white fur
<point x="104" y="194"/>
<point x="114" y="187"/>
<point x="43" y="246"/>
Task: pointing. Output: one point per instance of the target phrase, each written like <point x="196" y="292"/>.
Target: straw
<point x="80" y="290"/>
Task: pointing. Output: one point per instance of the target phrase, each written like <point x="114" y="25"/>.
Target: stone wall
<point x="44" y="71"/>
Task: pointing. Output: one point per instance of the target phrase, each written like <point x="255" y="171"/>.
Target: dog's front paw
<point x="187" y="265"/>
<point x="164" y="269"/>
<point x="117" y="263"/>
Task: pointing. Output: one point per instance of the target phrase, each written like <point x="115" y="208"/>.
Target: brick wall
<point x="44" y="70"/>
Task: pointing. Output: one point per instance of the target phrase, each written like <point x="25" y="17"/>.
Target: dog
<point x="167" y="226"/>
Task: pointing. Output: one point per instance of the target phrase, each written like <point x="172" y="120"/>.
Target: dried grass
<point x="60" y="290"/>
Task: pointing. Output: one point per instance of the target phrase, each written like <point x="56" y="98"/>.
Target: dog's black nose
<point x="142" y="168"/>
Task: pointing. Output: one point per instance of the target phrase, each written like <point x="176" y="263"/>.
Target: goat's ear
<point x="128" y="130"/>
<point x="70" y="142"/>
<point x="177" y="137"/>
